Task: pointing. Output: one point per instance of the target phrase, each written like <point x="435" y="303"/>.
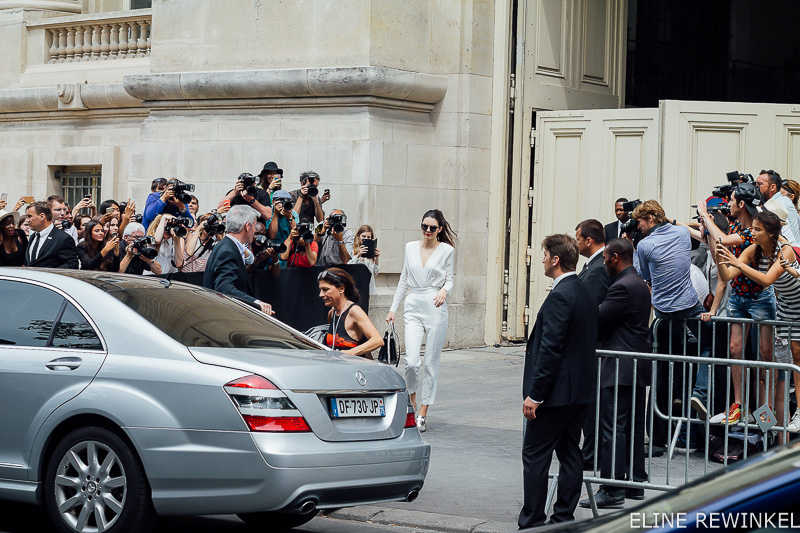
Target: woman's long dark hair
<point x="772" y="225"/>
<point x="447" y="235"/>
<point x="339" y="278"/>
<point x="93" y="247"/>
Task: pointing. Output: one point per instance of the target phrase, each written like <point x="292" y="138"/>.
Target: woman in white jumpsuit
<point x="428" y="272"/>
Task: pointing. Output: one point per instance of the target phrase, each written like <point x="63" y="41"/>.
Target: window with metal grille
<point x="77" y="182"/>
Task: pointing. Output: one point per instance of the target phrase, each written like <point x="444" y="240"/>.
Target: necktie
<point x="34" y="244"/>
<point x="585" y="267"/>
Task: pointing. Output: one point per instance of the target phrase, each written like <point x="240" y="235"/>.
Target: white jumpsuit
<point x="420" y="315"/>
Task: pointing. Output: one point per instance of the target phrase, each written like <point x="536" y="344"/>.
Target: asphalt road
<point x="17" y="518"/>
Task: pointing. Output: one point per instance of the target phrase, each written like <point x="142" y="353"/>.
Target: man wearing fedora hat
<point x="49" y="246"/>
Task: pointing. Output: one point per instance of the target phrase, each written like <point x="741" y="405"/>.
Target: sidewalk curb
<point x="422" y="520"/>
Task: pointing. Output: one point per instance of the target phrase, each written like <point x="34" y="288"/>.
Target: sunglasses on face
<point x="426" y="227"/>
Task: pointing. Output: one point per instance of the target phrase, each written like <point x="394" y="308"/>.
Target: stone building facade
<point x="399" y="106"/>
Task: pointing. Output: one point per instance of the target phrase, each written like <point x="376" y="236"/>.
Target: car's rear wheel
<point x="275" y="521"/>
<point x="95" y="484"/>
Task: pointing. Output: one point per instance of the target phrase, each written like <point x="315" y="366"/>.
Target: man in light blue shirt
<point x="665" y="263"/>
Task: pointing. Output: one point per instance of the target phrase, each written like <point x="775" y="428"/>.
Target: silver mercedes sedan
<point x="125" y="397"/>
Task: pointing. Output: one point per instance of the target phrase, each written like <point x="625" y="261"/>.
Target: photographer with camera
<point x="61" y="218"/>
<point x="225" y="270"/>
<point x="301" y="250"/>
<point x="201" y="239"/>
<point x="770" y="183"/>
<point x="267" y="252"/>
<point x="665" y="263"/>
<point x="245" y="192"/>
<point x="169" y="198"/>
<point x="284" y="217"/>
<point x="137" y="251"/>
<point x="307" y="200"/>
<point x="334" y="240"/>
<point x="168" y="233"/>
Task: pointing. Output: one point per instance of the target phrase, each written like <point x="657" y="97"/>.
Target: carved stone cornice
<point x="75" y="96"/>
<point x="68" y="6"/>
<point x="317" y="87"/>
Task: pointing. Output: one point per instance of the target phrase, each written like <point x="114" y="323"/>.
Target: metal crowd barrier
<point x="690" y="345"/>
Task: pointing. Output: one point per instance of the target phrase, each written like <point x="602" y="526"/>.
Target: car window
<point x="28" y="315"/>
<point x="74" y="331"/>
<point x="200" y="318"/>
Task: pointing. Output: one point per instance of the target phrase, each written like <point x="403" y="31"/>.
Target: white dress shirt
<point x="562" y="276"/>
<point x="42" y="237"/>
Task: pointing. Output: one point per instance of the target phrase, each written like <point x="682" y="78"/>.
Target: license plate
<point x="352" y="407"/>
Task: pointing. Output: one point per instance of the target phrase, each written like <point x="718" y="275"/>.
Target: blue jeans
<point x="701" y="330"/>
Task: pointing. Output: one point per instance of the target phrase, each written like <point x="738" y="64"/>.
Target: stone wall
<point x="405" y="130"/>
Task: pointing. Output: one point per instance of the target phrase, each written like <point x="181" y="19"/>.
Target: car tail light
<point x="264" y="407"/>
<point x="411" y="421"/>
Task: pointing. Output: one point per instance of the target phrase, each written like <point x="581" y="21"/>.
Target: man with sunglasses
<point x="769" y="183"/>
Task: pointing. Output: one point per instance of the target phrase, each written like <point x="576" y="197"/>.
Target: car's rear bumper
<point x="210" y="472"/>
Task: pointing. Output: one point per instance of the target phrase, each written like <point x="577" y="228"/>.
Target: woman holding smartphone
<point x="365" y="252"/>
<point x="428" y="271"/>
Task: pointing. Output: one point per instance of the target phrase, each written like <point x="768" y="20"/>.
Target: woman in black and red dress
<point x="350" y="329"/>
<point x="15" y="242"/>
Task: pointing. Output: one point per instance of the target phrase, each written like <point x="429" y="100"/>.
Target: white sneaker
<point x="421" y="424"/>
<point x="794" y="425"/>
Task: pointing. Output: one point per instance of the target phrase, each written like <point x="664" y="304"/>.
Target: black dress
<point x="16" y="258"/>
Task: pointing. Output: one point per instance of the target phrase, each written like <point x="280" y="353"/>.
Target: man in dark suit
<point x="558" y="383"/>
<point x="613" y="230"/>
<point x="623" y="326"/>
<point x="48" y="247"/>
<point x="225" y="270"/>
<point x="589" y="235"/>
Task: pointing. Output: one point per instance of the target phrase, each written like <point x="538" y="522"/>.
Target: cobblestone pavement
<point x="475" y="431"/>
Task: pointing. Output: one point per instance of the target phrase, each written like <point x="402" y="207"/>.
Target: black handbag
<point x="388" y="354"/>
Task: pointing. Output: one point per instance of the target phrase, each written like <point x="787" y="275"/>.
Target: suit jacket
<point x="225" y="272"/>
<point x="596" y="278"/>
<point x="611" y="230"/>
<point x="560" y="359"/>
<point x="57" y="251"/>
<point x="623" y="326"/>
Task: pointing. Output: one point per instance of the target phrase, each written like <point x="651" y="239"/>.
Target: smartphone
<point x="28" y="199"/>
<point x="278" y="182"/>
<point x="371" y="244"/>
<point x="4" y="197"/>
<point x="327" y="191"/>
<point x="87" y="197"/>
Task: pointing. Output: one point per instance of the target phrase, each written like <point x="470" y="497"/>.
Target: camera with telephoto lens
<point x="249" y="183"/>
<point x="178" y="225"/>
<point x="313" y="190"/>
<point x="181" y="190"/>
<point x="631" y="226"/>
<point x="215" y="223"/>
<point x="144" y="247"/>
<point x="137" y="218"/>
<point x="66" y="224"/>
<point x="305" y="231"/>
<point x="724" y="209"/>
<point x="734" y="179"/>
<point x="337" y="222"/>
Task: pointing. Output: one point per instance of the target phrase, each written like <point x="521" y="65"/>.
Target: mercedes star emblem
<point x="361" y="378"/>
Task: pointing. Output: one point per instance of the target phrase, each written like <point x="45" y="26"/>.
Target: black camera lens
<point x="312" y="190"/>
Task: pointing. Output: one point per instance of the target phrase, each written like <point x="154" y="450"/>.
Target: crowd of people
<point x="256" y="225"/>
<point x="739" y="259"/>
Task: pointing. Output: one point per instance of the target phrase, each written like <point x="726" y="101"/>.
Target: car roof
<point x="105" y="281"/>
